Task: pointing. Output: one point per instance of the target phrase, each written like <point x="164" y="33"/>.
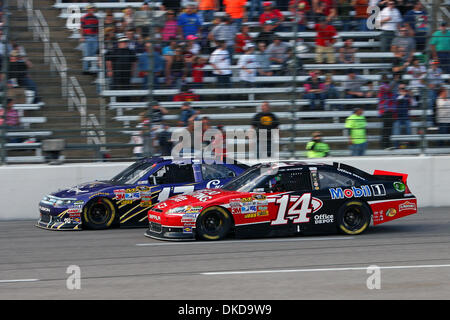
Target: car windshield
<point x="250" y="180"/>
<point x="133" y="173"/>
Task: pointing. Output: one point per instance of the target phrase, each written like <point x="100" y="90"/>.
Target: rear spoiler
<point x="389" y="175"/>
<point x="356" y="171"/>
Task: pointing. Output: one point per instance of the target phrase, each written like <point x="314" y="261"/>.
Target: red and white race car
<point x="285" y="199"/>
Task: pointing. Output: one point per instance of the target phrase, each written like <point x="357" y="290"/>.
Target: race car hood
<point x="203" y="198"/>
<point x="82" y="189"/>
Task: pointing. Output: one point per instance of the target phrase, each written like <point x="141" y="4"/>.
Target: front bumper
<point x="160" y="232"/>
<point x="58" y="222"/>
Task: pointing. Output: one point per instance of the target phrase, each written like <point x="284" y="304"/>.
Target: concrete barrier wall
<point x="22" y="187"/>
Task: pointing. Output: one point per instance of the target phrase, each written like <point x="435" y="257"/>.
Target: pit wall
<point x="23" y="186"/>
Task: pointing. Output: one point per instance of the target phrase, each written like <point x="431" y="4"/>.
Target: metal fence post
<point x="4" y="97"/>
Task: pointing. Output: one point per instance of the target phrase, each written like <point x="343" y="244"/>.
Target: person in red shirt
<point x="89" y="35"/>
<point x="198" y="72"/>
<point x="325" y="39"/>
<point x="242" y="39"/>
<point x="299" y="9"/>
<point x="186" y="95"/>
<point x="270" y="14"/>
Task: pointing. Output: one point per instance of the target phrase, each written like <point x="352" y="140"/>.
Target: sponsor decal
<point x="178" y="198"/>
<point x="407" y="205"/>
<point x="353" y="192"/>
<point x="213" y="184"/>
<point x="248" y="209"/>
<point x="44" y="209"/>
<point x="154" y="217"/>
<point x="236" y="210"/>
<point x="161" y="205"/>
<point x="323" y="218"/>
<point x="399" y="186"/>
<point x="204" y="195"/>
<point x="378" y="190"/>
<point x="391" y="212"/>
<point x="187" y="229"/>
<point x="98" y="194"/>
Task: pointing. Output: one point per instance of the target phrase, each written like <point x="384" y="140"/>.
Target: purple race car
<point x="125" y="199"/>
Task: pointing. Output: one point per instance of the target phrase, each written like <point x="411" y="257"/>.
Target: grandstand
<point x="82" y="98"/>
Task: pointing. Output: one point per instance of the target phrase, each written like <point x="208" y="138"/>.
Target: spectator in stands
<point x="164" y="140"/>
<point x="186" y="94"/>
<point x="127" y="21"/>
<point x="18" y="70"/>
<point x="236" y="11"/>
<point x="120" y="65"/>
<point x="325" y="39"/>
<point x="443" y="111"/>
<point x="389" y="20"/>
<point x="360" y="8"/>
<point x="89" y="36"/>
<point x="386" y="109"/>
<point x="133" y="43"/>
<point x="109" y="24"/>
<point x="278" y="52"/>
<point x="316" y="148"/>
<point x="248" y="66"/>
<point x="266" y="35"/>
<point x="400" y="63"/>
<point x="142" y="19"/>
<point x="405" y="42"/>
<point x="225" y="31"/>
<point x="264" y="122"/>
<point x="170" y="5"/>
<point x="263" y="60"/>
<point x="198" y="72"/>
<point x="272" y="15"/>
<point x="357" y="126"/>
<point x="434" y="82"/>
<point x="189" y="22"/>
<point x="440" y="47"/>
<point x="176" y="69"/>
<point x="192" y="46"/>
<point x="255" y="9"/>
<point x="345" y="13"/>
<point x="144" y="66"/>
<point x="187" y="113"/>
<point x="353" y="85"/>
<point x="242" y="39"/>
<point x="324" y="8"/>
<point x="417" y="19"/>
<point x="418" y="73"/>
<point x="405" y="102"/>
<point x="11" y="116"/>
<point x="314" y="90"/>
<point x="207" y="9"/>
<point x="347" y="52"/>
<point x="299" y="10"/>
<point x="370" y="92"/>
<point x="220" y="60"/>
<point x="170" y="27"/>
<point x="157" y="114"/>
<point x="330" y="88"/>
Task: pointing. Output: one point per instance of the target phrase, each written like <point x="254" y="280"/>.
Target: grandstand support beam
<point x="4" y="96"/>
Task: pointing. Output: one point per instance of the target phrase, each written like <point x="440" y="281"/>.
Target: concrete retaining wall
<point x="22" y="187"/>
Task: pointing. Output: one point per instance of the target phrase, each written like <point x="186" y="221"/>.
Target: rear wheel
<point x="99" y="214"/>
<point x="213" y="223"/>
<point x="353" y="217"/>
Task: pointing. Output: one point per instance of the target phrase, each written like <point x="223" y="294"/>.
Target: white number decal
<point x="165" y="192"/>
<point x="305" y="208"/>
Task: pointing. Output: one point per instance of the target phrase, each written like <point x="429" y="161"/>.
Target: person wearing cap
<point x="248" y="65"/>
<point x="316" y="148"/>
<point x="357" y="126"/>
<point x="277" y="52"/>
<point x="120" y="65"/>
<point x="266" y="35"/>
<point x="440" y="47"/>
<point x="89" y="35"/>
<point x="242" y="39"/>
<point x="325" y="39"/>
<point x="270" y="14"/>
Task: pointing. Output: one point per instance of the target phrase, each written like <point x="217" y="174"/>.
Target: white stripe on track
<point x="18" y="280"/>
<point x="243" y="241"/>
<point x="322" y="269"/>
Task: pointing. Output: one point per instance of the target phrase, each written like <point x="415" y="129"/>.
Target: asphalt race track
<point x="413" y="254"/>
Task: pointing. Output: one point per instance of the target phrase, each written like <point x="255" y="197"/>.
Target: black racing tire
<point x="213" y="223"/>
<point x="99" y="213"/>
<point x="353" y="217"/>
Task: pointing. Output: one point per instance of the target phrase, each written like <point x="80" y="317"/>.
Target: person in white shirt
<point x="389" y="20"/>
<point x="220" y="61"/>
<point x="443" y="111"/>
<point x="248" y="65"/>
<point x="418" y="73"/>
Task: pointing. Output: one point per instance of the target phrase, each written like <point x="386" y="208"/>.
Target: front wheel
<point x="353" y="217"/>
<point x="99" y="214"/>
<point x="213" y="223"/>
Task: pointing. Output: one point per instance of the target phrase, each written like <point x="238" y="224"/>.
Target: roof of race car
<point x="189" y="160"/>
